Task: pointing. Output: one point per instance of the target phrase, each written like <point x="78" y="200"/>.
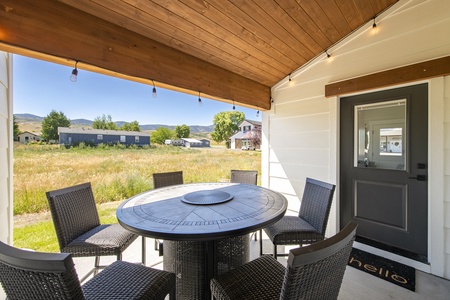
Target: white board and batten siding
<point x="6" y="158"/>
<point x="6" y="142"/>
<point x="300" y="132"/>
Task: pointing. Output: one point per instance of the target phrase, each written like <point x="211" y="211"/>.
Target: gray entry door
<point x="383" y="168"/>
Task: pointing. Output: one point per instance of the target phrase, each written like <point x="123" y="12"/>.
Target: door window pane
<point x="380" y="135"/>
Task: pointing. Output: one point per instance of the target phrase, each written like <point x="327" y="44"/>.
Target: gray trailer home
<point x="73" y="136"/>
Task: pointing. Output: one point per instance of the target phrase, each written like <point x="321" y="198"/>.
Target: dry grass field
<point x="115" y="174"/>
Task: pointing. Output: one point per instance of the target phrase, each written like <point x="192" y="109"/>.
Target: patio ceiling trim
<point x="62" y="32"/>
<point x="424" y="70"/>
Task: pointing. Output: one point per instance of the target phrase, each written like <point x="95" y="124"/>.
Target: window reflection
<point x="380" y="131"/>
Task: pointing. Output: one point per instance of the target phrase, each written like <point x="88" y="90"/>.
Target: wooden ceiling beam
<point x="61" y="31"/>
<point x="420" y="71"/>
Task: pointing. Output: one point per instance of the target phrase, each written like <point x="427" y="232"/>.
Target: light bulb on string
<point x="257" y="113"/>
<point x="200" y="103"/>
<point x="154" y="90"/>
<point x="74" y="75"/>
<point x="234" y="107"/>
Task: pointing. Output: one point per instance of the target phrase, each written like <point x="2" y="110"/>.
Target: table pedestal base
<point x="196" y="263"/>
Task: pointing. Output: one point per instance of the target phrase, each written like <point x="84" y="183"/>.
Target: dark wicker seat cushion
<point x="124" y="280"/>
<point x="292" y="230"/>
<point x="263" y="279"/>
<point x="108" y="239"/>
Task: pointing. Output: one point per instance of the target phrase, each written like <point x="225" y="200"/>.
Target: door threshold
<point x="418" y="265"/>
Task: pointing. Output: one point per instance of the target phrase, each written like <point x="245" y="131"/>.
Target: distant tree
<point x="51" y="123"/>
<point x="16" y="128"/>
<point x="104" y="122"/>
<point x="133" y="126"/>
<point x="182" y="131"/>
<point x="225" y="124"/>
<point x="161" y="134"/>
<point x="255" y="137"/>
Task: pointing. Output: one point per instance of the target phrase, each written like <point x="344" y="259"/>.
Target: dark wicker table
<point x="205" y="227"/>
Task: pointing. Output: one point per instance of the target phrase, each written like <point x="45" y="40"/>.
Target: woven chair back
<point x="244" y="176"/>
<point x="73" y="212"/>
<point x="167" y="179"/>
<point x="316" y="271"/>
<point x="35" y="275"/>
<point x="316" y="203"/>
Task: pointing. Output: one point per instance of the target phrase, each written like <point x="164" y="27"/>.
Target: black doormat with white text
<point x="394" y="272"/>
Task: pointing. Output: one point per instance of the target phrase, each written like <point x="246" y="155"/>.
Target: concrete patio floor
<point x="357" y="285"/>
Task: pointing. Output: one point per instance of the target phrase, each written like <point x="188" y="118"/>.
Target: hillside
<point x="32" y="123"/>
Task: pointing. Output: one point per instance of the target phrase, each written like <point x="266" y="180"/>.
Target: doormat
<point x="394" y="272"/>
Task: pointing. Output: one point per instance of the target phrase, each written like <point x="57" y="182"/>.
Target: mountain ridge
<point x="27" y="117"/>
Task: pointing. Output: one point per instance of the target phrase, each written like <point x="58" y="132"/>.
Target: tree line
<point x="225" y="125"/>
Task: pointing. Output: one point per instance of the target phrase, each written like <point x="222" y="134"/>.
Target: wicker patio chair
<point x="247" y="177"/>
<point x="244" y="176"/>
<point x="313" y="272"/>
<point x="78" y="227"/>
<point x="167" y="179"/>
<point x="36" y="275"/>
<point x="310" y="224"/>
<point x="161" y="180"/>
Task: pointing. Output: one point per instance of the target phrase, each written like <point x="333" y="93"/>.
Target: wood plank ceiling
<point x="228" y="50"/>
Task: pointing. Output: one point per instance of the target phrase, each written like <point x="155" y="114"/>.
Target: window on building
<point x="136" y="139"/>
<point x="123" y="139"/>
<point x="99" y="136"/>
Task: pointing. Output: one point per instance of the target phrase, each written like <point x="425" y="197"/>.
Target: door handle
<point x="419" y="178"/>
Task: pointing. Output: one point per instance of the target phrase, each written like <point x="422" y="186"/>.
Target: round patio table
<point x="205" y="227"/>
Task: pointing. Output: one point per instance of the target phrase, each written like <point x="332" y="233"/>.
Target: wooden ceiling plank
<point x="334" y="14"/>
<point x="252" y="28"/>
<point x="258" y="71"/>
<point x="350" y="12"/>
<point x="365" y="10"/>
<point x="420" y="71"/>
<point x="293" y="9"/>
<point x="320" y="18"/>
<point x="217" y="36"/>
<point x="268" y="23"/>
<point x="211" y="19"/>
<point x="303" y="38"/>
<point x="31" y="25"/>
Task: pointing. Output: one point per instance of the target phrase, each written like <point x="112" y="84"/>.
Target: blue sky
<point x="40" y="87"/>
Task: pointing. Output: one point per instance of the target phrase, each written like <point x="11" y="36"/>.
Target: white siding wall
<point x="5" y="150"/>
<point x="300" y="133"/>
<point x="6" y="160"/>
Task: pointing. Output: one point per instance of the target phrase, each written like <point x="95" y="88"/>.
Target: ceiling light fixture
<point x="290" y="77"/>
<point x="154" y="90"/>
<point x="328" y="54"/>
<point x="374" y="26"/>
<point x="199" y="99"/>
<point x="73" y="76"/>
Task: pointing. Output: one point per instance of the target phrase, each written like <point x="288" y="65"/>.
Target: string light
<point x="257" y="113"/>
<point x="234" y="107"/>
<point x="154" y="90"/>
<point x="74" y="75"/>
<point x="199" y="99"/>
<point x="374" y="26"/>
<point x="328" y="54"/>
<point x="290" y="77"/>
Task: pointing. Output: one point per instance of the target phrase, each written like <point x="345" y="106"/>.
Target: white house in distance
<point x="243" y="137"/>
<point x="26" y="137"/>
<point x="312" y="130"/>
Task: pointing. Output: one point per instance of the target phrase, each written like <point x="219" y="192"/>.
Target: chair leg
<point x="275" y="254"/>
<point x="172" y="294"/>
<point x="143" y="251"/>
<point x="260" y="243"/>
